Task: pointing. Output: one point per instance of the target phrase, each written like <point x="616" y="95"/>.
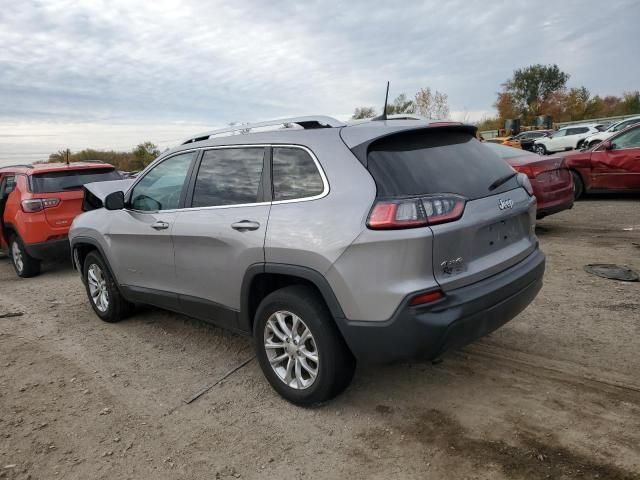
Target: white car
<point x="593" y="140"/>
<point x="565" y="138"/>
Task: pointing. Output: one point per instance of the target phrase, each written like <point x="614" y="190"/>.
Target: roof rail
<point x="310" y="122"/>
<point x="22" y="165"/>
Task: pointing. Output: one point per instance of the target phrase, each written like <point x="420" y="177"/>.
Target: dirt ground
<point x="553" y="394"/>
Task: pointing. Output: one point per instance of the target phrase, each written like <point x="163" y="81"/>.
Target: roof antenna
<point x="384" y="110"/>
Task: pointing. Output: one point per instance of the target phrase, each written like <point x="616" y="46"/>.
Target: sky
<point x="112" y="74"/>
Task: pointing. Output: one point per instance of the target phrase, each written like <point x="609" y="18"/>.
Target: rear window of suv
<point x="438" y="161"/>
<point x="50" y="182"/>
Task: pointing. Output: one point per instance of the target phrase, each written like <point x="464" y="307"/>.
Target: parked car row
<point x="329" y="243"/>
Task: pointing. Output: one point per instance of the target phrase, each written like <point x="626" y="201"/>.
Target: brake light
<point x="415" y="212"/>
<point x="426" y="298"/>
<point x="524" y="182"/>
<point x="38" y="204"/>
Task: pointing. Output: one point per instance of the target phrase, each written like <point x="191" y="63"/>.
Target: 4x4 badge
<point x="503" y="204"/>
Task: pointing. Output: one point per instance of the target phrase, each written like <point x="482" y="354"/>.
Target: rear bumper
<point x="547" y="210"/>
<point x="47" y="250"/>
<point x="464" y="315"/>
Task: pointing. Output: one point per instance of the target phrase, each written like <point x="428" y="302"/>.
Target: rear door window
<point x="295" y="174"/>
<point x="50" y="182"/>
<point x="438" y="161"/>
<point x="7" y="186"/>
<point x="229" y="176"/>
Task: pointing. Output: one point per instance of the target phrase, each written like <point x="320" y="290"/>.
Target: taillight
<point x="415" y="212"/>
<point x="524" y="182"/>
<point x="38" y="204"/>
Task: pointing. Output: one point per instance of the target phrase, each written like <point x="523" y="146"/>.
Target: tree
<point x="531" y="86"/>
<point x="363" y="112"/>
<point x="143" y="155"/>
<point x="432" y="106"/>
<point x="631" y="102"/>
<point x="401" y="104"/>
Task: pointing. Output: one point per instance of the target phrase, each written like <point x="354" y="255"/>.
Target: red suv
<point x="38" y="204"/>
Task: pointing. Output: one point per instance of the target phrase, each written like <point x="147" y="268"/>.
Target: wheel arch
<point x="262" y="279"/>
<point x="83" y="246"/>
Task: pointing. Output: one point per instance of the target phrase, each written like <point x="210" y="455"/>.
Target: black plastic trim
<point x="313" y="276"/>
<point x="49" y="249"/>
<point x="464" y="315"/>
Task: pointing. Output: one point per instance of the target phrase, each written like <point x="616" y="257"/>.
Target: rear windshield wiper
<point x="502" y="180"/>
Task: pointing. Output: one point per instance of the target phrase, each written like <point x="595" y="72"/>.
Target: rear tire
<point x="105" y="298"/>
<point x="578" y="185"/>
<point x="283" y="346"/>
<point x="540" y="150"/>
<point x="24" y="264"/>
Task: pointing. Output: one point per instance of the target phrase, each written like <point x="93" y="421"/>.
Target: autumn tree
<point x="363" y="112"/>
<point x="432" y="105"/>
<point x="401" y="104"/>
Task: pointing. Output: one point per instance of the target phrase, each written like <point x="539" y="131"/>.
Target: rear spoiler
<point x="361" y="150"/>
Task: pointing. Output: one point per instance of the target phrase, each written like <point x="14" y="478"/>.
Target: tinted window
<point x="559" y="133"/>
<point x="419" y="162"/>
<point x="7" y="186"/>
<point x="577" y="131"/>
<point x="161" y="187"/>
<point x="295" y="174"/>
<point x="229" y="176"/>
<point x="70" y="179"/>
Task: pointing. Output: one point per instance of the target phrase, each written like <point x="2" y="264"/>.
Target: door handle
<point x="245" y="225"/>
<point x="160" y="225"/>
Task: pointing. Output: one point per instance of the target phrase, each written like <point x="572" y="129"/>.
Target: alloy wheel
<point x="16" y="254"/>
<point x="98" y="287"/>
<point x="291" y="350"/>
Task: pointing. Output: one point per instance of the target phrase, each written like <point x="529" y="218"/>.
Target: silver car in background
<point x="328" y="243"/>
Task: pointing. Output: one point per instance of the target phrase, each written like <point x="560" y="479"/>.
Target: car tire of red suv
<point x="24" y="264"/>
<point x="104" y="296"/>
<point x="285" y="352"/>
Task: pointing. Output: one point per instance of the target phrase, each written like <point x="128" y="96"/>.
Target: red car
<point x="611" y="166"/>
<point x="38" y="204"/>
<point x="549" y="176"/>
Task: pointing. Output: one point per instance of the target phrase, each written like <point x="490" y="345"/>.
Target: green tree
<point x="631" y="102"/>
<point x="143" y="155"/>
<point x="363" y="112"/>
<point x="531" y="86"/>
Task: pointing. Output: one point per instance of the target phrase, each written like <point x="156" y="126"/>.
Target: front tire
<point x="24" y="264"/>
<point x="103" y="293"/>
<point x="299" y="347"/>
<point x="578" y="185"/>
<point x="541" y="150"/>
<point x="594" y="143"/>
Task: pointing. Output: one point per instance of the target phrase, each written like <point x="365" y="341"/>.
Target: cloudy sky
<point x="111" y="74"/>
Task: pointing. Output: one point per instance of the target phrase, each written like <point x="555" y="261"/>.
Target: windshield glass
<point x="506" y="152"/>
<point x="70" y="179"/>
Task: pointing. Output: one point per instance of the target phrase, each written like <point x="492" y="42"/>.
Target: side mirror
<point x="114" y="201"/>
<point x="607" y="145"/>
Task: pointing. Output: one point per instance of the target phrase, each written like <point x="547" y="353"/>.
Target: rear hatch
<point x="66" y="186"/>
<point x="494" y="230"/>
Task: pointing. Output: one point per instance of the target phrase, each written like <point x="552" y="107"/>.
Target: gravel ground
<point x="553" y="394"/>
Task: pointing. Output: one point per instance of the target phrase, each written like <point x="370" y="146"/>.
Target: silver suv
<point x="328" y="243"/>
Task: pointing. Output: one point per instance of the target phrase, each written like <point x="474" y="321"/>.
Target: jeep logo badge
<point x="503" y="204"/>
<point x="452" y="267"/>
